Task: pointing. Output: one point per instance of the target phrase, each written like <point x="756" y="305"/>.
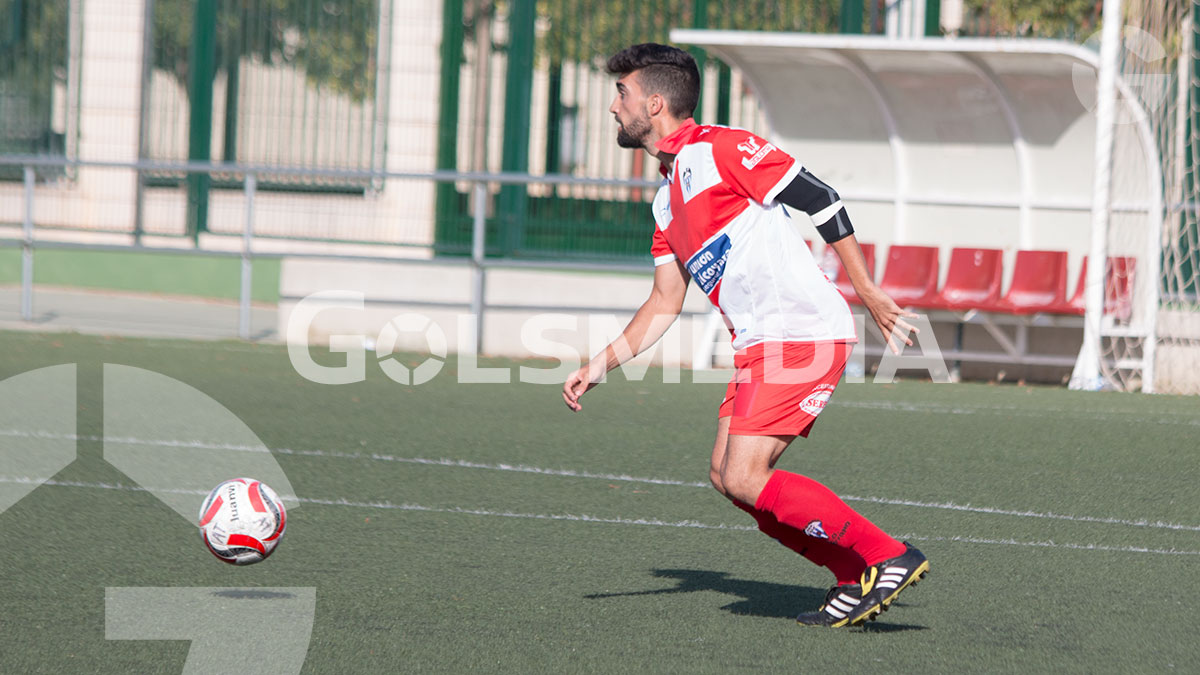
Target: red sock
<point x="806" y="505"/>
<point x="847" y="566"/>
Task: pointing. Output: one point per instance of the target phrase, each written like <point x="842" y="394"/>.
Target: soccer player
<point x="722" y="220"/>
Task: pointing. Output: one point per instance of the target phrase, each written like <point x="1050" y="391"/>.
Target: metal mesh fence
<point x="39" y="82"/>
<point x="294" y="83"/>
<point x="370" y="85"/>
<point x="556" y="120"/>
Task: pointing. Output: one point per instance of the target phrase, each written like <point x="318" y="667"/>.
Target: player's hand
<point x="579" y="382"/>
<point x="889" y="317"/>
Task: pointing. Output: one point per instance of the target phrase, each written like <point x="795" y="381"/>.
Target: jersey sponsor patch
<point x="707" y="265"/>
<point x="815" y="530"/>
<point x="751" y="147"/>
<point x="815" y="402"/>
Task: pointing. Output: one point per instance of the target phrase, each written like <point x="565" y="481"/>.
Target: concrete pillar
<point x="110" y="87"/>
<point x="412" y="88"/>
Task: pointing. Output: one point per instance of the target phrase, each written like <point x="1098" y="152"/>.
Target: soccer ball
<point x="242" y="521"/>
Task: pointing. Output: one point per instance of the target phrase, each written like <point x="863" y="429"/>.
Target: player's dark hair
<point x="662" y="69"/>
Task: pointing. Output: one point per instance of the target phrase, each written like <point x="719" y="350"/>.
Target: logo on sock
<point x="815" y="530"/>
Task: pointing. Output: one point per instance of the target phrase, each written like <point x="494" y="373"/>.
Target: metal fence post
<point x="933" y="18"/>
<point x="513" y="202"/>
<point x="851" y="17"/>
<point x="446" y="228"/>
<point x="700" y="20"/>
<point x="139" y="205"/>
<point x="201" y="66"/>
<point x="27" y="250"/>
<point x="247" y="259"/>
<point x="478" y="273"/>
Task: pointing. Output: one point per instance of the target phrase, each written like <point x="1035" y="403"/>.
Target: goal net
<point x="1149" y="319"/>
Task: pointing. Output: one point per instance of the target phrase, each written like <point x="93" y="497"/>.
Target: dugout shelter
<point x="972" y="144"/>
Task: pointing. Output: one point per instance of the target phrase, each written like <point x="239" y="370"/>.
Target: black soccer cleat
<point x="881" y="583"/>
<point x="835" y="612"/>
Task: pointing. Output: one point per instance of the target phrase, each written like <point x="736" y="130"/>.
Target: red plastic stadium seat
<point x="1076" y="304"/>
<point x="911" y="275"/>
<point x="1118" y="288"/>
<point x="1039" y="284"/>
<point x="841" y="279"/>
<point x="973" y="280"/>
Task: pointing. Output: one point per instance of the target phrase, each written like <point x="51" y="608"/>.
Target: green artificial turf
<point x="1063" y="528"/>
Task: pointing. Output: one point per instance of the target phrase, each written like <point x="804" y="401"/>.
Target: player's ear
<point x="655" y="104"/>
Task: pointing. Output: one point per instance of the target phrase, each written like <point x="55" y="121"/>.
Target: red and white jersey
<point x="716" y="211"/>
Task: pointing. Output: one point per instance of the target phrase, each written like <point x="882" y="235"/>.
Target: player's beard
<point x="633" y="134"/>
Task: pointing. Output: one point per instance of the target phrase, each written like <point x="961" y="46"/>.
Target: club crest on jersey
<point x="751" y="147"/>
<point x="687" y="181"/>
<point x="815" y="530"/>
<point x="815" y="402"/>
<point x="707" y="265"/>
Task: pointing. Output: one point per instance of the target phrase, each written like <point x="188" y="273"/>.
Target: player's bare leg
<point x="718" y="455"/>
<point x="748" y="463"/>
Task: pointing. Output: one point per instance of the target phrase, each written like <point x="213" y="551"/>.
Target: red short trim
<point x="780" y="387"/>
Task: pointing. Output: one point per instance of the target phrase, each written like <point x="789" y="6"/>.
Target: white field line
<point x="951" y="506"/>
<point x="20" y="480"/>
<point x="1166" y="417"/>
<point x="569" y="473"/>
<point x="650" y="522"/>
<point x="1050" y="544"/>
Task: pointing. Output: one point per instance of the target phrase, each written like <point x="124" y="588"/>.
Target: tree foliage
<point x="33" y="41"/>
<point x="33" y="59"/>
<point x="1072" y="19"/>
<point x="590" y="30"/>
<point x="334" y="42"/>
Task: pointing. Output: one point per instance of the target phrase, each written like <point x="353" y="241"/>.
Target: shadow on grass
<point x="759" y="598"/>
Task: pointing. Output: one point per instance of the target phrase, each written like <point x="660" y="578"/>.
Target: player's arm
<point x="648" y="324"/>
<point x="807" y="193"/>
<point x="887" y="314"/>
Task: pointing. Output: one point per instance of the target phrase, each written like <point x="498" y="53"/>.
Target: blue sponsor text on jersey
<point x="707" y="265"/>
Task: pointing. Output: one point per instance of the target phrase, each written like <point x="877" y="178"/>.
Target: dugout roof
<point x="978" y="142"/>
